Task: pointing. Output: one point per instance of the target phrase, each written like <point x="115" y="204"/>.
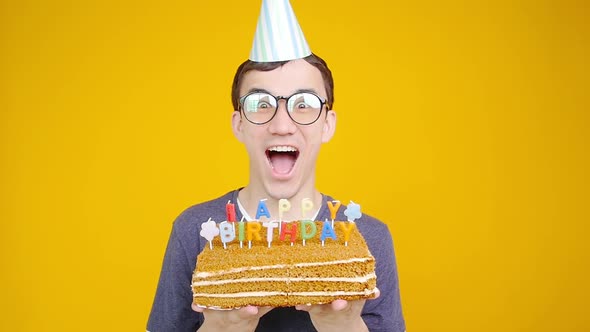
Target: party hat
<point x="278" y="35"/>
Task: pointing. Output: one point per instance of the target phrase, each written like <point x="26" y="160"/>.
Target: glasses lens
<point x="304" y="108"/>
<point x="259" y="107"/>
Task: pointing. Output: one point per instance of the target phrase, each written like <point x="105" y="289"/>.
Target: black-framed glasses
<point x="304" y="108"/>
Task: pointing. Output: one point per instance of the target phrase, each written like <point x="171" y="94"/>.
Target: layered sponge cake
<point x="285" y="272"/>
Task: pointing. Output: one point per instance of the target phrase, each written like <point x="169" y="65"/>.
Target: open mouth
<point x="282" y="158"/>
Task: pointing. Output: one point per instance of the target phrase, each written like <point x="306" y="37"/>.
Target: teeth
<point x="282" y="148"/>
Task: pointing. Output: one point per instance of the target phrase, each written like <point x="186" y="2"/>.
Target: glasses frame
<point x="277" y="99"/>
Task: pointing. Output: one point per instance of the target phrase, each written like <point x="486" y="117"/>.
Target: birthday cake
<point x="300" y="262"/>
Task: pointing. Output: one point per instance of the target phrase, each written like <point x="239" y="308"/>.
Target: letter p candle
<point x="306" y="206"/>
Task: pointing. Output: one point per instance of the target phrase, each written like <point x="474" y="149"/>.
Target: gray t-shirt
<point x="171" y="310"/>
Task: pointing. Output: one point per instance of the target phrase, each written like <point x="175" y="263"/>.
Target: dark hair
<point x="312" y="59"/>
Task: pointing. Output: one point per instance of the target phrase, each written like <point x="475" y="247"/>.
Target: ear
<point x="329" y="126"/>
<point x="236" y="124"/>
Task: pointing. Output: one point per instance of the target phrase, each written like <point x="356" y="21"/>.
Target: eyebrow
<point x="254" y="90"/>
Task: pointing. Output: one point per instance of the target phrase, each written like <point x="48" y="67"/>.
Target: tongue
<point x="282" y="162"/>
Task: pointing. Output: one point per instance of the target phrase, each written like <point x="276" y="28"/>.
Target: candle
<point x="305" y="233"/>
<point x="230" y="210"/>
<point x="333" y="209"/>
<point x="284" y="206"/>
<point x="270" y="226"/>
<point x="227" y="232"/>
<point x="209" y="230"/>
<point x="262" y="210"/>
<point x="353" y="211"/>
<point x="253" y="231"/>
<point x="347" y="227"/>
<point x="327" y="231"/>
<point x="241" y="231"/>
<point x="306" y="205"/>
<point x="289" y="229"/>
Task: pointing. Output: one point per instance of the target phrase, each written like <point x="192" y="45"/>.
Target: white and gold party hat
<point x="278" y="34"/>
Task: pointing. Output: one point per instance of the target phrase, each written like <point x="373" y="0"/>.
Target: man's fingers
<point x="377" y="293"/>
<point x="245" y="312"/>
<point x="197" y="308"/>
<point x="339" y="305"/>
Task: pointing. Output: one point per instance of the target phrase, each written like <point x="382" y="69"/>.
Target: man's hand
<point x="338" y="316"/>
<point x="243" y="319"/>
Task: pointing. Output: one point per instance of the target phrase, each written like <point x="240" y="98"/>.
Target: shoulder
<point x="199" y="213"/>
<point x="375" y="232"/>
<point x="187" y="225"/>
<point x="372" y="227"/>
<point x="377" y="236"/>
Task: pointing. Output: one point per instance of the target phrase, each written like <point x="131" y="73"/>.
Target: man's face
<point x="282" y="153"/>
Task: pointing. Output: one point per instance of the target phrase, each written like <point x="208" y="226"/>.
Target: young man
<point x="283" y="114"/>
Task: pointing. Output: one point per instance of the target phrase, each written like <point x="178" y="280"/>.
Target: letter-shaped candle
<point x="262" y="210"/>
<point x="347" y="227"/>
<point x="290" y="229"/>
<point x="305" y="233"/>
<point x="253" y="231"/>
<point x="227" y="232"/>
<point x="284" y="206"/>
<point x="306" y="205"/>
<point x="327" y="231"/>
<point x="230" y="210"/>
<point x="270" y="226"/>
<point x="333" y="209"/>
<point x="241" y="231"/>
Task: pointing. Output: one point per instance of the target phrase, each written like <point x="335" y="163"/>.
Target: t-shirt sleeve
<point x="383" y="314"/>
<point x="171" y="310"/>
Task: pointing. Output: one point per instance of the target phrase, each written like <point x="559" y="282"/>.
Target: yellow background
<point x="463" y="125"/>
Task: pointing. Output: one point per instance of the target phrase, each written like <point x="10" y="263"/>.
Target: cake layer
<point x="291" y="280"/>
<point x="289" y="285"/>
<point x="345" y="267"/>
<point x="277" y="299"/>
<point x="242" y="300"/>
<point x="229" y="275"/>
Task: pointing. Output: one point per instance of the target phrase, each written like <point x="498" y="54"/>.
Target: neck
<point x="250" y="198"/>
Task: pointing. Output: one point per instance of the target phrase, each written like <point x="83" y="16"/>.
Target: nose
<point x="282" y="124"/>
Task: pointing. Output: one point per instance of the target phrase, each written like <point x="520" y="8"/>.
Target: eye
<point x="301" y="105"/>
<point x="300" y="102"/>
<point x="262" y="103"/>
<point x="304" y="102"/>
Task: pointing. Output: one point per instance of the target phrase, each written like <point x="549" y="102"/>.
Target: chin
<point x="282" y="189"/>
